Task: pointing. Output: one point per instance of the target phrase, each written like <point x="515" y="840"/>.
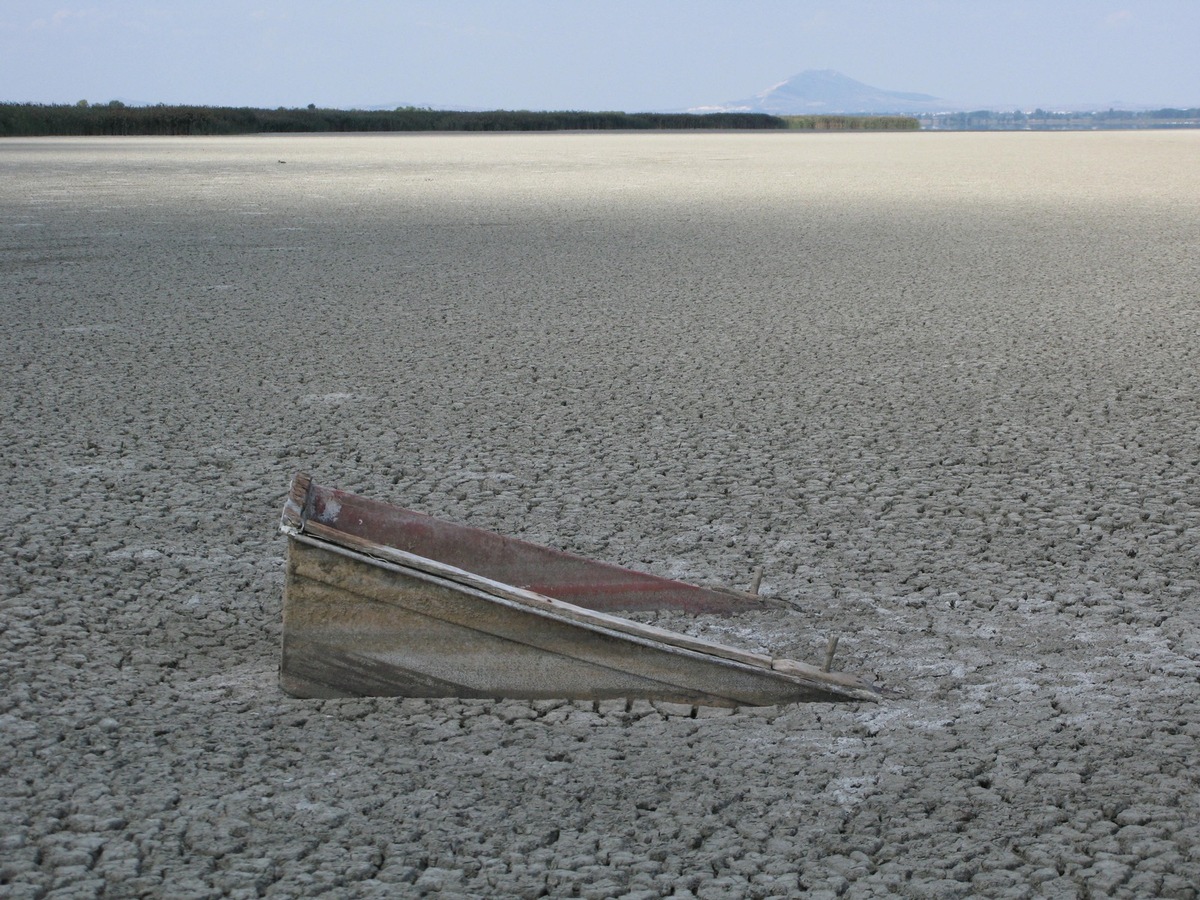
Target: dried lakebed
<point x="942" y="388"/>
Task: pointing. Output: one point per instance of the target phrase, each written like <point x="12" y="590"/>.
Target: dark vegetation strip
<point x="37" y="120"/>
<point x="852" y="123"/>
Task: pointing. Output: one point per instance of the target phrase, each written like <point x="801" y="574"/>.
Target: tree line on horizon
<point x="115" y="118"/>
<point x="852" y="123"/>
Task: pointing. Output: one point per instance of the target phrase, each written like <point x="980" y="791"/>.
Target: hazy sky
<point x="593" y="54"/>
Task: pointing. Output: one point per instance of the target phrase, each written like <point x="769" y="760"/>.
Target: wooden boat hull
<point x="362" y="618"/>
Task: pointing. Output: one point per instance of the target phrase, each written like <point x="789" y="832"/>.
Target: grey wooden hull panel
<point x="358" y="626"/>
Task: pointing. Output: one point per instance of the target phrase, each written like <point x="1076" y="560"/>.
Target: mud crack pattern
<point x="942" y="388"/>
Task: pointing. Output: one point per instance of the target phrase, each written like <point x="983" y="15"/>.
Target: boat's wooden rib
<point x="363" y="617"/>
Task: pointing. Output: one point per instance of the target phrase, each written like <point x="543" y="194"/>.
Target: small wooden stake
<point x="830" y="649"/>
<point x="754" y="585"/>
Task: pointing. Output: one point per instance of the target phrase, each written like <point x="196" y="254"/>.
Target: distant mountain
<point x="819" y="91"/>
<point x="404" y="104"/>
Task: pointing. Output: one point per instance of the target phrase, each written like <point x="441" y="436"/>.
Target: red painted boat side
<point x="553" y="573"/>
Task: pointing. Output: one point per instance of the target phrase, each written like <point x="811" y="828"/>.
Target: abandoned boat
<point x="384" y="601"/>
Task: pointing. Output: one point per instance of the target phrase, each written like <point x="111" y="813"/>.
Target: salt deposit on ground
<point x="942" y="387"/>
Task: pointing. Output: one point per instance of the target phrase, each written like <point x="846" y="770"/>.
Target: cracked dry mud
<point x="943" y="388"/>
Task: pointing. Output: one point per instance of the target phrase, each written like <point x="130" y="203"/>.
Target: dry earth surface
<point x="944" y="388"/>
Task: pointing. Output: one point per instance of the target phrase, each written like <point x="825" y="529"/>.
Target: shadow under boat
<point x="383" y="601"/>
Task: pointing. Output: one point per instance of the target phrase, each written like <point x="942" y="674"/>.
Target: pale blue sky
<point x="594" y="54"/>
